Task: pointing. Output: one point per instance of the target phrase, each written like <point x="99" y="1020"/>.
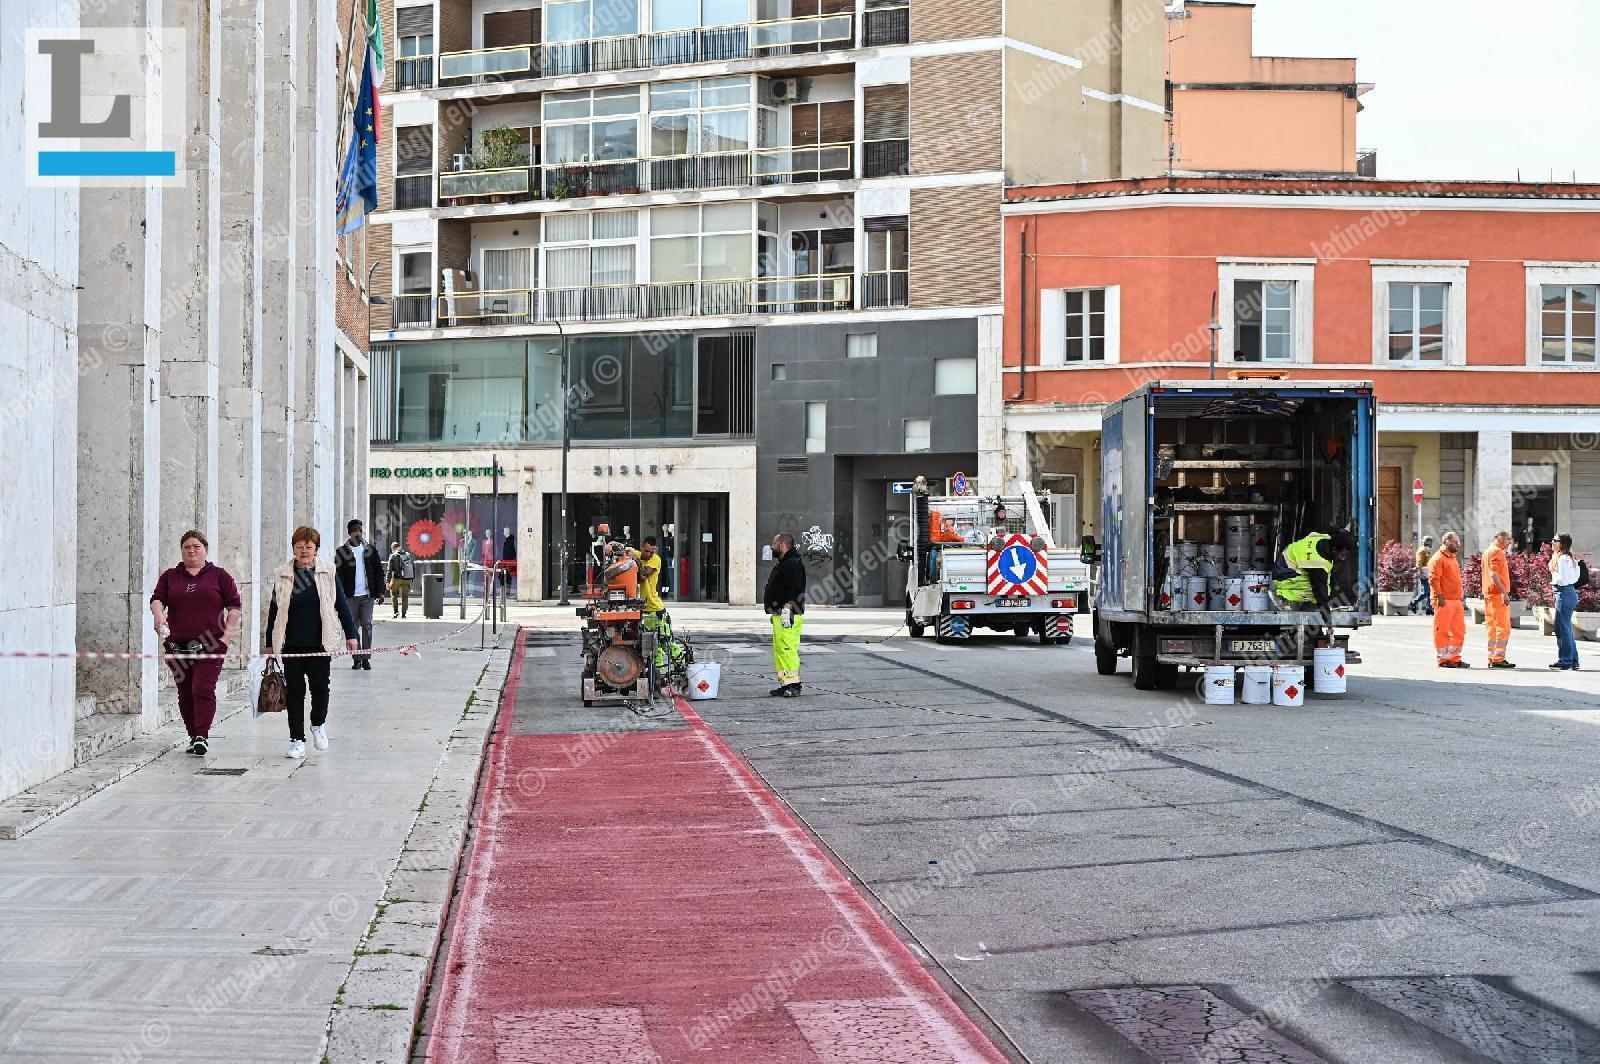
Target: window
<point x="919" y="434"/>
<point x="1567" y="323"/>
<point x="955" y="376"/>
<point x="780" y="371"/>
<point x="1263" y="321"/>
<point x="819" y="251"/>
<point x="725" y="385"/>
<point x="416" y="272"/>
<point x="591" y="142"/>
<point x="885" y="281"/>
<point x="1079" y="326"/>
<point x="816" y="428"/>
<point x="700" y="117"/>
<point x="1419" y="313"/>
<point x="1417" y="329"/>
<point x="414" y="54"/>
<point x="861" y="345"/>
<point x="591" y="264"/>
<point x="711" y="242"/>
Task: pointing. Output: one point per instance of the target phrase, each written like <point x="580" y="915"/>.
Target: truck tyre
<point x="1105" y="651"/>
<point x="1144" y="661"/>
<point x="938" y="633"/>
<point x="912" y="625"/>
<point x="1022" y="631"/>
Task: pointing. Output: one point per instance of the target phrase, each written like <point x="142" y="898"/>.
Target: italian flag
<point x="374" y="44"/>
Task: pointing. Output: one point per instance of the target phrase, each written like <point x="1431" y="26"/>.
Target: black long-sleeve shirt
<point x="303" y="629"/>
<point x="786" y="583"/>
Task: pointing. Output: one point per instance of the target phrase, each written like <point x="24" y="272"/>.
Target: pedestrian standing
<point x="1423" y="599"/>
<point x="402" y="570"/>
<point x="784" y="600"/>
<point x="1497" y="599"/>
<point x="308" y="615"/>
<point x="1564" y="579"/>
<point x="1449" y="612"/>
<point x="196" y="610"/>
<point x="361" y="580"/>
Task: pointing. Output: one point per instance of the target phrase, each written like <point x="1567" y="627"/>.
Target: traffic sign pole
<point x="1416" y="495"/>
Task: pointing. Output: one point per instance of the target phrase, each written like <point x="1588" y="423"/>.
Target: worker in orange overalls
<point x="1497" y="599"/>
<point x="1449" y="615"/>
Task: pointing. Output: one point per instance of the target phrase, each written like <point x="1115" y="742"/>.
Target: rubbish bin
<point x="433" y="596"/>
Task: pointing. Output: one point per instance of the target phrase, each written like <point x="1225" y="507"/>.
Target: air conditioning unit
<point x="785" y="90"/>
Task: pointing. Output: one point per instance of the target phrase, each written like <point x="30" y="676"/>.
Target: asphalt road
<point x="1408" y="873"/>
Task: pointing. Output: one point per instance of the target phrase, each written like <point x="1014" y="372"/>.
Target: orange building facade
<point x="1470" y="305"/>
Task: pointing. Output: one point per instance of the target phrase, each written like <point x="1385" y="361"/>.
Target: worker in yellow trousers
<point x="785" y="601"/>
<point x="1497" y="599"/>
<point x="1449" y="613"/>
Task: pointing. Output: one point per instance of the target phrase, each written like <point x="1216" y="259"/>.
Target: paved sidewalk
<point x="211" y="910"/>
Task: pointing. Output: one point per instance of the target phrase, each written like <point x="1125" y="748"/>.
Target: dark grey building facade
<point x="845" y="410"/>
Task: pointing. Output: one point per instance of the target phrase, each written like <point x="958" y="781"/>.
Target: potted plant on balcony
<point x="1397" y="578"/>
<point x="499" y="148"/>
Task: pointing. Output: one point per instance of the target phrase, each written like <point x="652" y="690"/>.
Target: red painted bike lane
<point x="644" y="897"/>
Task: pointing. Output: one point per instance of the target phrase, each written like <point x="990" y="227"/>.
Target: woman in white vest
<point x="308" y="615"/>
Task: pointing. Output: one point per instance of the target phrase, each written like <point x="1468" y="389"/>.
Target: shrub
<point x="1530" y="577"/>
<point x="1471" y="575"/>
<point x="1397" y="567"/>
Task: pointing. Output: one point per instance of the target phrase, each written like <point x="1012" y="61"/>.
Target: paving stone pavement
<point x="283" y="913"/>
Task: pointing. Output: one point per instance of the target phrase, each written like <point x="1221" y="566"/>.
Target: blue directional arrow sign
<point x="1018" y="564"/>
<point x="903" y="487"/>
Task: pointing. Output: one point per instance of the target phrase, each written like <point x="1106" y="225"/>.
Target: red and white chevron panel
<point x="1001" y="582"/>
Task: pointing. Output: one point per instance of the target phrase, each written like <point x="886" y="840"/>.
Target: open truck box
<point x="1178" y="459"/>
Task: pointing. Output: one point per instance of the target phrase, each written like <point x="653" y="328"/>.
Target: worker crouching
<point x="784" y="601"/>
<point x="1304" y="573"/>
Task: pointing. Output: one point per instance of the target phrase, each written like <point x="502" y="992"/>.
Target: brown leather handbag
<point x="274" y="694"/>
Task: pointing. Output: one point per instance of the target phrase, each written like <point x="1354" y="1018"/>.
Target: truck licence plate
<point x="1021" y="603"/>
<point x="1251" y="646"/>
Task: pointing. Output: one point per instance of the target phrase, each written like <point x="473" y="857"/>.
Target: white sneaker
<point x="319" y="736"/>
<point x="297" y="748"/>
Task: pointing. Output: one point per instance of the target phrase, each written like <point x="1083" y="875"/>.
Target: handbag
<point x="272" y="689"/>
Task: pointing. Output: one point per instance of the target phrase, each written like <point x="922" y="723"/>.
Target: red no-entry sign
<point x="1416" y="490"/>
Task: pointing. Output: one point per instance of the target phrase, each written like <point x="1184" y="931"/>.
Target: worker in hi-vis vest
<point x="1304" y="573"/>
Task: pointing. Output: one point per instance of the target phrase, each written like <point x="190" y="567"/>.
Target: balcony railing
<point x="704" y="44"/>
<point x="886" y="158"/>
<point x="626" y="302"/>
<point x="515" y="182"/>
<point x="415" y="72"/>
<point x="885" y="25"/>
<point x="413" y="192"/>
<point x="669" y="173"/>
<point x="885" y="288"/>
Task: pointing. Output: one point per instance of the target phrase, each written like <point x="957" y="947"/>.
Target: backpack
<point x="1583" y="574"/>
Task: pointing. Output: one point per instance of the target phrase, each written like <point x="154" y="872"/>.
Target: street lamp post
<point x="566" y="452"/>
<point x="372" y="300"/>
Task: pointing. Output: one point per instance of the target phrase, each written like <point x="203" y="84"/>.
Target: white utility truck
<point x="989" y="561"/>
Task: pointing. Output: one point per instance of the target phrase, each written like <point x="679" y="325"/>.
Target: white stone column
<point x="241" y="349"/>
<point x="190" y="252"/>
<point x="280" y="307"/>
<point x="1490" y="506"/>
<point x="991" y="405"/>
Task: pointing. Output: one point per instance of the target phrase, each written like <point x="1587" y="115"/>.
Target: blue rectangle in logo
<point x="108" y="164"/>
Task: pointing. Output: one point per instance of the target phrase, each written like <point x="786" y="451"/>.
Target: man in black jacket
<point x="360" y="573"/>
<point x="784" y="600"/>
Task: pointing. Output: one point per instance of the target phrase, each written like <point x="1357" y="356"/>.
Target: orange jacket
<point x="1444" y="576"/>
<point x="1494" y="562"/>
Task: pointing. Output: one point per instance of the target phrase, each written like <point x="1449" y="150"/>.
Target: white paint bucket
<point x="1257" y="587"/>
<point x="1257" y="685"/>
<point x="1259" y="542"/>
<point x="1195" y="593"/>
<point x="1237" y="523"/>
<point x="1164" y="598"/>
<point x="1330" y="671"/>
<point x="1288" y="685"/>
<point x="1188" y="550"/>
<point x="1233" y="594"/>
<point x="1217" y="685"/>
<point x="1214" y="552"/>
<point x="1209" y="569"/>
<point x="1217" y="593"/>
<point x="703" y="677"/>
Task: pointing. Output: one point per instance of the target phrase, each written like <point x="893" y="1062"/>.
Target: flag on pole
<point x="358" y="177"/>
<point x="375" y="43"/>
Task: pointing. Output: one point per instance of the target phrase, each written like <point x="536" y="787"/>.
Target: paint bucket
<point x="1217" y="685"/>
<point x="1214" y="552"/>
<point x="1195" y="593"/>
<point x="1330" y="672"/>
<point x="1188" y="550"/>
<point x="1257" y="587"/>
<point x="1216" y="593"/>
<point x="1164" y="599"/>
<point x="1237" y="523"/>
<point x="1288" y="685"/>
<point x="1260" y="543"/>
<point x="1257" y="685"/>
<point x="703" y="677"/>
<point x="1233" y="594"/>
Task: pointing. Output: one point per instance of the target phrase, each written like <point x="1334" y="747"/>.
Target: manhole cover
<point x="278" y="951"/>
<point x="222" y="772"/>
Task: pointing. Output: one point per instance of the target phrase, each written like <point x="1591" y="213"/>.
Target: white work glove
<point x="786" y="618"/>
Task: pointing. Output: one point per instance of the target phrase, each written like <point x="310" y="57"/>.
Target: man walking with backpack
<point x="402" y="570"/>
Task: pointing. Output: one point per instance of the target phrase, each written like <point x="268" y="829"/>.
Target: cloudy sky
<point x="1472" y="88"/>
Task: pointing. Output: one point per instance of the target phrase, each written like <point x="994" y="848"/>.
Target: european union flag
<point x="358" y="177"/>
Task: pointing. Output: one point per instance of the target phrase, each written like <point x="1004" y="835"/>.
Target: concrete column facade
<point x="1489" y="509"/>
<point x="190" y="287"/>
<point x="241" y="349"/>
<point x="119" y="424"/>
<point x="991" y="406"/>
<point x="280" y="305"/>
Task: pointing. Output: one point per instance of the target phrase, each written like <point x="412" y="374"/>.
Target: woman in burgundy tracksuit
<point x="196" y="609"/>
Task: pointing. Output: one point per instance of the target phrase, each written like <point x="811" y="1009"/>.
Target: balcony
<point x="885" y="288"/>
<point x="886" y="25"/>
<point x="705" y="44"/>
<point x="413" y="192"/>
<point x="503" y="183"/>
<point x="415" y="72"/>
<point x="886" y="158"/>
<point x="626" y="302"/>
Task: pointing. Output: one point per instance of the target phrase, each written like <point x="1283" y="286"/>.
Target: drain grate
<point x="222" y="772"/>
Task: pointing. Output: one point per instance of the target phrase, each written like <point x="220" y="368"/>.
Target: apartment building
<point x="762" y="238"/>
<point x="1471" y="306"/>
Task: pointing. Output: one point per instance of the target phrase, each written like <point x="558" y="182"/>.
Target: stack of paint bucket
<point x="1184" y="579"/>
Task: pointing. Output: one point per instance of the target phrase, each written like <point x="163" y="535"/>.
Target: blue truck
<point x="1210" y="481"/>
